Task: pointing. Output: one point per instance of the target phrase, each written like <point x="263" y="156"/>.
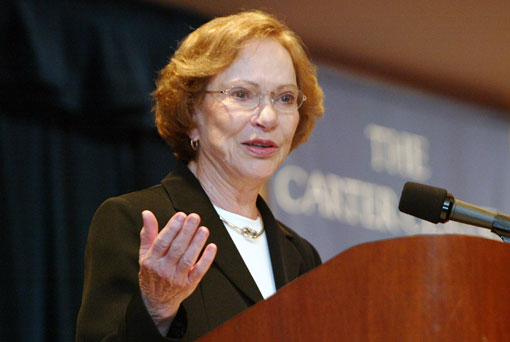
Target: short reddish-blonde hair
<point x="212" y="48"/>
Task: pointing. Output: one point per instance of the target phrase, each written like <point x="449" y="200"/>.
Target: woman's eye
<point x="240" y="94"/>
<point x="286" y="98"/>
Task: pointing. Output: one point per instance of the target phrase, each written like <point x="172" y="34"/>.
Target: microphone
<point x="437" y="205"/>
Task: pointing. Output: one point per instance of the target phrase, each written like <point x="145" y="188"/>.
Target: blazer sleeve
<point x="112" y="308"/>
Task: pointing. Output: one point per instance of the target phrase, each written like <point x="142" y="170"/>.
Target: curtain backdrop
<point x="75" y="129"/>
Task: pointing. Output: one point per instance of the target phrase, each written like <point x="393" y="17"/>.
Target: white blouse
<point x="254" y="252"/>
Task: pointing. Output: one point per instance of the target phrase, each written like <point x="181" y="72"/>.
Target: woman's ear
<point x="196" y="116"/>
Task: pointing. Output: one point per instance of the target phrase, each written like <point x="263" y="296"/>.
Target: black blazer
<point x="112" y="308"/>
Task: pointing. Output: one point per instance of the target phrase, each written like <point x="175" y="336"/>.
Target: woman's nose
<point x="266" y="116"/>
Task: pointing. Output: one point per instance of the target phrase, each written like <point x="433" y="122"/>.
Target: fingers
<point x="183" y="239"/>
<point x="190" y="256"/>
<point x="179" y="242"/>
<point x="167" y="235"/>
<point x="149" y="231"/>
<point x="202" y="266"/>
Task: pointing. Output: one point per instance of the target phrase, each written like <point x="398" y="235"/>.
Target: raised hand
<point x="169" y="270"/>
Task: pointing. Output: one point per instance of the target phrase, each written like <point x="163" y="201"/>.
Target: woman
<point x="239" y="94"/>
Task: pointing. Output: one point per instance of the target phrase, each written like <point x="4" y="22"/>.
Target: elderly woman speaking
<point x="238" y="95"/>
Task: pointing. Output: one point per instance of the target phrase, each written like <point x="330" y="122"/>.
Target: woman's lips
<point x="261" y="147"/>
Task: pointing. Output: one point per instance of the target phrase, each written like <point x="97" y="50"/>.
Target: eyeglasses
<point x="286" y="99"/>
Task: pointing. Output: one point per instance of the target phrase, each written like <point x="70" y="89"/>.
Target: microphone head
<point x="423" y="201"/>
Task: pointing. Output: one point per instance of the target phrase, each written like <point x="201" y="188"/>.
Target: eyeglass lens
<point x="285" y="99"/>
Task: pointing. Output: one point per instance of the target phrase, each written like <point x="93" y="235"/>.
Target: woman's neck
<point x="234" y="195"/>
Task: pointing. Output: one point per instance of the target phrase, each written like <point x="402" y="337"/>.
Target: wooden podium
<point x="423" y="288"/>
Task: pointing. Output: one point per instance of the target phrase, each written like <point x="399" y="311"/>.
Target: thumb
<point x="149" y="231"/>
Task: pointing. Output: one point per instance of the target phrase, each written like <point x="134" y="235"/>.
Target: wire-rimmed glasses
<point x="246" y="97"/>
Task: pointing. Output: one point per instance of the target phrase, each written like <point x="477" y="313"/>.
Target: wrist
<point x="163" y="322"/>
<point x="162" y="315"/>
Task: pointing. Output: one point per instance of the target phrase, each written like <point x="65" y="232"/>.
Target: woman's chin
<point x="260" y="169"/>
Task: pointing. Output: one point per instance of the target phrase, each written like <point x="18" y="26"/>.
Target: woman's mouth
<point x="261" y="147"/>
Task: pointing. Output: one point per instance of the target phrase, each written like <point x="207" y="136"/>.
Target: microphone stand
<point x="504" y="235"/>
<point x="464" y="212"/>
<point x="501" y="227"/>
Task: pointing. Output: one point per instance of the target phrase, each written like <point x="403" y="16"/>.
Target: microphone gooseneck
<point x="437" y="205"/>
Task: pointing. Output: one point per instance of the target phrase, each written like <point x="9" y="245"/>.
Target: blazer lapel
<point x="285" y="258"/>
<point x="187" y="196"/>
